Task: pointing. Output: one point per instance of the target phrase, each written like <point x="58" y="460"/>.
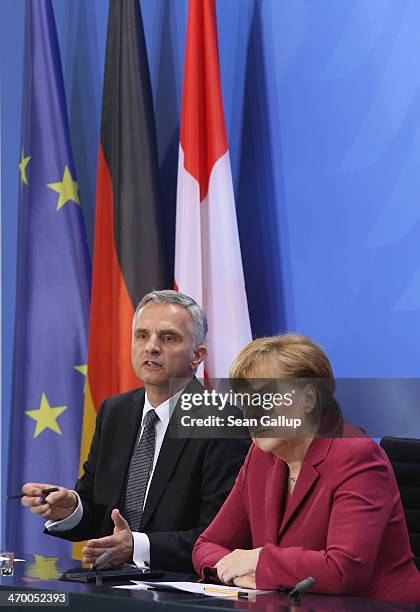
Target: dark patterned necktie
<point x="139" y="472"/>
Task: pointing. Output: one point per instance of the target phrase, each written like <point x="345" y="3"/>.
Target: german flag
<point x="129" y="258"/>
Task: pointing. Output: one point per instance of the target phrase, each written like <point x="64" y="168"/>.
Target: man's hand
<point x="245" y="582"/>
<point x="55" y="506"/>
<point x="121" y="543"/>
<point x="237" y="563"/>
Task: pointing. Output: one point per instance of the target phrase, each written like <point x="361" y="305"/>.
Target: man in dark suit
<point x="168" y="488"/>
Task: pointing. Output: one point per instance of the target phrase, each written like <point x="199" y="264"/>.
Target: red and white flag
<point x="208" y="264"/>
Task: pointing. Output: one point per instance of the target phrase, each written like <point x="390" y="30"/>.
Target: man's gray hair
<point x="168" y="296"/>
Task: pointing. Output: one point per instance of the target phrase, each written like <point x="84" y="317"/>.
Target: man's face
<point x="162" y="345"/>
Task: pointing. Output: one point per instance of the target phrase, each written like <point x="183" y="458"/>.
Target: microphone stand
<point x="300" y="588"/>
<point x="98" y="564"/>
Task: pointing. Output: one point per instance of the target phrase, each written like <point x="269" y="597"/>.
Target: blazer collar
<point x="308" y="476"/>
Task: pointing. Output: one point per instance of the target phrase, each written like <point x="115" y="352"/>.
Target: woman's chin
<point x="267" y="445"/>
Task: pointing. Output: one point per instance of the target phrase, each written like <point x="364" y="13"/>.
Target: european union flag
<point x="53" y="284"/>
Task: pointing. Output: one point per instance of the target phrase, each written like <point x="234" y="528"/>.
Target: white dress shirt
<point x="141" y="549"/>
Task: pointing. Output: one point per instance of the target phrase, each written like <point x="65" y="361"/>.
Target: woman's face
<point x="280" y="414"/>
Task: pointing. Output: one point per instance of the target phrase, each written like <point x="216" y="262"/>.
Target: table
<point x="40" y="573"/>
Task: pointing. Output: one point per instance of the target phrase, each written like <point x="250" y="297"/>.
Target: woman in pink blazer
<point x="310" y="505"/>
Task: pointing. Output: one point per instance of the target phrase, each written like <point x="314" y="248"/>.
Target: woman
<point x="325" y="506"/>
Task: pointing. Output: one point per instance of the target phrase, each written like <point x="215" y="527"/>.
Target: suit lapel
<point x="308" y="476"/>
<point x="170" y="451"/>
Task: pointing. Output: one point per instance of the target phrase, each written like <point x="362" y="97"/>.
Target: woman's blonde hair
<point x="297" y="357"/>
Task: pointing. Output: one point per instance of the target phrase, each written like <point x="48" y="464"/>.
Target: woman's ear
<point x="309" y="398"/>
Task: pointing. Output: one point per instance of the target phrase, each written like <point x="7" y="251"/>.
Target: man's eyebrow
<point x="170" y="330"/>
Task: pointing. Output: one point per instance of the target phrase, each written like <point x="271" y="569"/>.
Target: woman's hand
<point x="237" y="563"/>
<point x="245" y="582"/>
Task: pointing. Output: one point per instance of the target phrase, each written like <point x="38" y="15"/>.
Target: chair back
<point x="404" y="455"/>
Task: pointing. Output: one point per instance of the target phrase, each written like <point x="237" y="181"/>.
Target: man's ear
<point x="310" y="398"/>
<point x="200" y="354"/>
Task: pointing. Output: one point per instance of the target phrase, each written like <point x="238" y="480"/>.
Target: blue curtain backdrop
<point x="322" y="104"/>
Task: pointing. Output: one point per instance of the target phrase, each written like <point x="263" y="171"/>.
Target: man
<point x="144" y="494"/>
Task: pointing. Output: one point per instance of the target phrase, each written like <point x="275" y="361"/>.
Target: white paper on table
<point x="217" y="590"/>
<point x="139" y="586"/>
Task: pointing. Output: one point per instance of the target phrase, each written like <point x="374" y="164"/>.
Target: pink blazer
<point x="344" y="523"/>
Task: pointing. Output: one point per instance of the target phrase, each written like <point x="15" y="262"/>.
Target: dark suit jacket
<point x="343" y="524"/>
<point x="191" y="480"/>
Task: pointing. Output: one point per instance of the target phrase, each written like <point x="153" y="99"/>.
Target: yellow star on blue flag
<point x="46" y="416"/>
<point x="82" y="369"/>
<point x="67" y="188"/>
<point x="24" y="161"/>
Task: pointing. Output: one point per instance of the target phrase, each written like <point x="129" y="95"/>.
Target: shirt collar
<point x="164" y="410"/>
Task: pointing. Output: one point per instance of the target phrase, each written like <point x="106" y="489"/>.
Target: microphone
<point x="96" y="565"/>
<point x="302" y="586"/>
<point x="102" y="560"/>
